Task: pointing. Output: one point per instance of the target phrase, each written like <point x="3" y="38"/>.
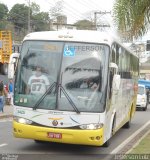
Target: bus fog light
<point x="91" y="126"/>
<point x="15" y="130"/>
<point x="92" y="138"/>
<point x="98" y="137"/>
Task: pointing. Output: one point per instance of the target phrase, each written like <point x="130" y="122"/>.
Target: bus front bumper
<point x="70" y="136"/>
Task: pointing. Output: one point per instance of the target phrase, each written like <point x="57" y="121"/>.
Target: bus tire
<point x="127" y="125"/>
<point x="107" y="143"/>
<point x="38" y="141"/>
<point x="5" y="69"/>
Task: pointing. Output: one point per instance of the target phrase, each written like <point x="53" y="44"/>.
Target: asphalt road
<point x="29" y="149"/>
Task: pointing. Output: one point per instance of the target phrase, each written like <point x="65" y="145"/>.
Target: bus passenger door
<point x="113" y="89"/>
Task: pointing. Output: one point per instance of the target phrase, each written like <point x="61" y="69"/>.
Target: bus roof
<point x="72" y="35"/>
<point x="76" y="36"/>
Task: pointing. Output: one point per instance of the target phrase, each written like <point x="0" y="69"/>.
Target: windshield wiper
<point x="69" y="99"/>
<point x="49" y="90"/>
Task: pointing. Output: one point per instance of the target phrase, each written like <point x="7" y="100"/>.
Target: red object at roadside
<point x="6" y="88"/>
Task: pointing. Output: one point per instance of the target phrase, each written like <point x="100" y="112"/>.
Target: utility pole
<point x="29" y="26"/>
<point x="95" y="17"/>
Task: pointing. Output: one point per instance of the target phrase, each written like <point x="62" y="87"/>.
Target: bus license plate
<point x="54" y="135"/>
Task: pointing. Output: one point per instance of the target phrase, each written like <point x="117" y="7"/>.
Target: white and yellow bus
<point x="91" y="93"/>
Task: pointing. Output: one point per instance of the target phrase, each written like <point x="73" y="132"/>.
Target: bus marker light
<point x="20" y="131"/>
<point x="15" y="130"/>
<point x="92" y="138"/>
<point x="98" y="137"/>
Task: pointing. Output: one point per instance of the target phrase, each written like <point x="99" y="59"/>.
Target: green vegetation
<point x="139" y="152"/>
<point x="22" y="19"/>
<point x="143" y="147"/>
<point x="16" y="19"/>
<point x="132" y="17"/>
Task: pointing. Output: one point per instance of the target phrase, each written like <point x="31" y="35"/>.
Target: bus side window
<point x="113" y="54"/>
<point x="113" y="58"/>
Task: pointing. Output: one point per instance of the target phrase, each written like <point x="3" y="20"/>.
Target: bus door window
<point x="111" y="72"/>
<point x="115" y="54"/>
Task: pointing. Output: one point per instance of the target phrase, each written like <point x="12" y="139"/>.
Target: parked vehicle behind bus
<point x="91" y="93"/>
<point x="142" y="100"/>
<point x="146" y="83"/>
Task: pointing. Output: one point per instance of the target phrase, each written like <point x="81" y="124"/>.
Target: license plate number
<point x="54" y="135"/>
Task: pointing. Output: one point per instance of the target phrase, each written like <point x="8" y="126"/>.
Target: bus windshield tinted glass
<point x="141" y="90"/>
<point x="78" y="69"/>
<point x="83" y="76"/>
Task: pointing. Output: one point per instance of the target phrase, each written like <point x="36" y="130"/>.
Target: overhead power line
<point x="95" y="16"/>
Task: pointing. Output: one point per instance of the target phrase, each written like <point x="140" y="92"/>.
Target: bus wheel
<point x="38" y="141"/>
<point x="106" y="144"/>
<point x="127" y="125"/>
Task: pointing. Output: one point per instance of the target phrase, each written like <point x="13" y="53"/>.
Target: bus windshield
<point x="78" y="70"/>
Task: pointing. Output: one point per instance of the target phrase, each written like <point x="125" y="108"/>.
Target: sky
<point x="73" y="9"/>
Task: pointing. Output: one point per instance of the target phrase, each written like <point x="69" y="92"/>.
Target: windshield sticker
<point x="21" y="111"/>
<point x="86" y="48"/>
<point x="50" y="47"/>
<point x="69" y="51"/>
<point x="89" y="48"/>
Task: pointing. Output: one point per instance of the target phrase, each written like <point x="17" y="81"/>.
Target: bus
<point x="92" y="89"/>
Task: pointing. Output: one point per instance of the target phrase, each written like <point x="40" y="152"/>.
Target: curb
<point x="136" y="144"/>
<point x="130" y="141"/>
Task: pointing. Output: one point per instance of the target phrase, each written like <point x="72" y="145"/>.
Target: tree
<point x="3" y="15"/>
<point x="3" y="11"/>
<point x="18" y="15"/>
<point x="35" y="8"/>
<point x="41" y="21"/>
<point x="132" y="17"/>
<point x="84" y="25"/>
<point x="56" y="10"/>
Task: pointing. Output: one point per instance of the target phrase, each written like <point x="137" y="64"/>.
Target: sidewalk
<point x="8" y="112"/>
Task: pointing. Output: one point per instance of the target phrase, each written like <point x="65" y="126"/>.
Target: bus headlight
<point x="91" y="126"/>
<point x="22" y="120"/>
<point x="143" y="100"/>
